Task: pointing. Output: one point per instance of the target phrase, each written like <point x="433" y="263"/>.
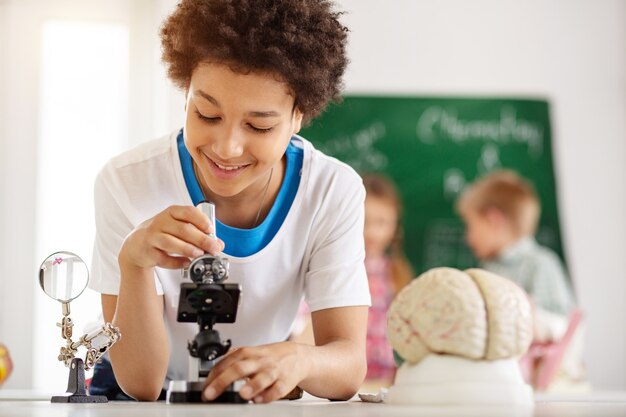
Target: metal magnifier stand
<point x="63" y="276"/>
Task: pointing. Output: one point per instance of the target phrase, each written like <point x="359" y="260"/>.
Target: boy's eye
<point x="207" y="119"/>
<point x="260" y="129"/>
<point x="217" y="119"/>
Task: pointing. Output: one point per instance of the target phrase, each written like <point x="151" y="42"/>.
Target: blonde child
<point x="501" y="212"/>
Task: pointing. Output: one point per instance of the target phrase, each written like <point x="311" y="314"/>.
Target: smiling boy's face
<point x="237" y="127"/>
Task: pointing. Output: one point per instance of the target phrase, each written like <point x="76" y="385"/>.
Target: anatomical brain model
<point x="465" y="329"/>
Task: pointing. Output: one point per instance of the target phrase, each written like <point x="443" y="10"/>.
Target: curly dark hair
<point x="300" y="41"/>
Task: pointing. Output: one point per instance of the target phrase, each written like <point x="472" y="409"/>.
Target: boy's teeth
<point x="227" y="168"/>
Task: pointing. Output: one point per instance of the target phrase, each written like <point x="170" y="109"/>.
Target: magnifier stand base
<point x="76" y="388"/>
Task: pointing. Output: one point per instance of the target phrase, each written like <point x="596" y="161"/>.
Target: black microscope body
<point x="207" y="301"/>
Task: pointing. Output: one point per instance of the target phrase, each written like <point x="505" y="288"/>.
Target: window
<point x="83" y="121"/>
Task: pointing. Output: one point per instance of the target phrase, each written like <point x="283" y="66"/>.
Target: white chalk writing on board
<point x="357" y="149"/>
<point x="437" y="123"/>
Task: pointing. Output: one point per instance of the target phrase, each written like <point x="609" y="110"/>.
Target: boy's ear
<point x="297" y="125"/>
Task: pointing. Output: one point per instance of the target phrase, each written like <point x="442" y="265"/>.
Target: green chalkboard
<point x="431" y="147"/>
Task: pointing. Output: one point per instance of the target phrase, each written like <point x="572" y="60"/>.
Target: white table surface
<point x="22" y="404"/>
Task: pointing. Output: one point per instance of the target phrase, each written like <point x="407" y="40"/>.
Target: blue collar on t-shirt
<point x="245" y="242"/>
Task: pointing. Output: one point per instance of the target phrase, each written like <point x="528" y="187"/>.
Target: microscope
<point x="207" y="300"/>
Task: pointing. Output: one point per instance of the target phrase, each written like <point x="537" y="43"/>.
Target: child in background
<point x="501" y="212"/>
<point x="388" y="270"/>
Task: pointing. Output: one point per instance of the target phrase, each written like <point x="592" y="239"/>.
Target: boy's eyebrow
<point x="212" y="100"/>
<point x="270" y="113"/>
<point x="207" y="97"/>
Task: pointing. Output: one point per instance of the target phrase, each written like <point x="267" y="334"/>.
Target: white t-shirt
<point x="318" y="252"/>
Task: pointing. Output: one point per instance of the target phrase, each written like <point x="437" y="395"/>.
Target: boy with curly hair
<point x="289" y="218"/>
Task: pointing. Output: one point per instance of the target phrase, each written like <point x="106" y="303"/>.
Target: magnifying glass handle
<point x="208" y="208"/>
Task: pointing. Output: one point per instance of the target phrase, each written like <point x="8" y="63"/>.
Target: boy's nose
<point x="229" y="146"/>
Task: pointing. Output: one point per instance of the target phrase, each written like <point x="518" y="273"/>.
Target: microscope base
<point x="191" y="392"/>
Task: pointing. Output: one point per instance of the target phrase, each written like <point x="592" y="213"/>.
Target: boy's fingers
<point x="173" y="245"/>
<point x="236" y="371"/>
<point x="188" y="232"/>
<point x="193" y="215"/>
<point x="257" y="384"/>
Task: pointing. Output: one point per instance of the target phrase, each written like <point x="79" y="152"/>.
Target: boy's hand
<point x="169" y="239"/>
<point x="272" y="372"/>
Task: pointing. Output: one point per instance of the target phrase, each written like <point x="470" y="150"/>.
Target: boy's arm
<point x="141" y="356"/>
<point x="334" y="369"/>
<point x="338" y="362"/>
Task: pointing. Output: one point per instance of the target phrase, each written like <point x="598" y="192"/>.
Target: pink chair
<point x="542" y="361"/>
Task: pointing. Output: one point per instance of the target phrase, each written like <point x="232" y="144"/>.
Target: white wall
<point x="17" y="176"/>
<point x="571" y="51"/>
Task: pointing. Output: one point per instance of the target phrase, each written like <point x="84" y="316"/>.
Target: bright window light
<point x="82" y="123"/>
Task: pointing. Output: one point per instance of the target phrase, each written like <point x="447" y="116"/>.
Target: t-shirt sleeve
<point x="336" y="274"/>
<point x="112" y="227"/>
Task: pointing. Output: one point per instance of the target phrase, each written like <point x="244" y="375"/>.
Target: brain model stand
<point x="460" y="334"/>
